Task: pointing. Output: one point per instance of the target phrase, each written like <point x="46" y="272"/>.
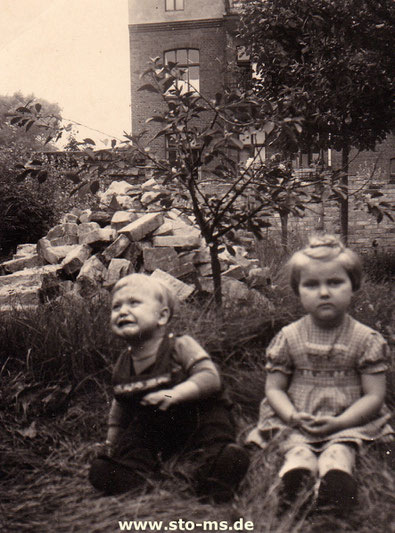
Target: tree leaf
<point x="156" y="118"/>
<point x="94" y="187"/>
<point x="20" y="177"/>
<point x="42" y="176"/>
<point x="148" y="87"/>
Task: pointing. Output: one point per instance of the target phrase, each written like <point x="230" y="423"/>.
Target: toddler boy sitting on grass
<point x="167" y="399"/>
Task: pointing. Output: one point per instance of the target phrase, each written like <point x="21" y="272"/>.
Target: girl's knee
<point x="337" y="457"/>
<point x="299" y="457"/>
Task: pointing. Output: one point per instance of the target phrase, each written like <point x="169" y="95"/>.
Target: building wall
<point x="153" y="11"/>
<point x="152" y="40"/>
<point x="205" y="25"/>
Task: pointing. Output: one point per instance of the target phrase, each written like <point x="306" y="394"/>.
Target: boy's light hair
<point x="325" y="248"/>
<point x="163" y="294"/>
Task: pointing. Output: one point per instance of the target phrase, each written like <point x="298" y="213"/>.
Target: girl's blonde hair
<point x="162" y="293"/>
<point x="325" y="248"/>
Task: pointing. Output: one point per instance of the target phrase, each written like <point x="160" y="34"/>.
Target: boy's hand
<point x="162" y="399"/>
<point x="323" y="425"/>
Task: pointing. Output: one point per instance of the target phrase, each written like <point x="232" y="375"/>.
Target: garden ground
<point x="54" y="402"/>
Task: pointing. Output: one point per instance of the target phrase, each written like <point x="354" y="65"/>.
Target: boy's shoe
<point x="230" y="468"/>
<point x="337" y="489"/>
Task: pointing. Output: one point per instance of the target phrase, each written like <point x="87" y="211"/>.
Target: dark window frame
<point x="174" y="3"/>
<point x="186" y="65"/>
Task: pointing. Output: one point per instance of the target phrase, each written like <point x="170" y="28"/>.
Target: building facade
<point x="200" y="35"/>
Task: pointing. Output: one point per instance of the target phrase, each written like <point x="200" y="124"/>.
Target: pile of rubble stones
<point x="89" y="251"/>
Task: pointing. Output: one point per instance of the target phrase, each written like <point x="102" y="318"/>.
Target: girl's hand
<point x="323" y="425"/>
<point x="301" y="419"/>
<point x="162" y="399"/>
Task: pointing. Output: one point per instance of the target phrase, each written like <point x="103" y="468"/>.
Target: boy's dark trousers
<point x="204" y="428"/>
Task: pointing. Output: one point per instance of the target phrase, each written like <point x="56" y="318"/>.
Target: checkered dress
<point x="324" y="366"/>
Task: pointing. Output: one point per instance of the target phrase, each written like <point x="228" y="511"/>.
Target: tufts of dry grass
<point x="45" y="486"/>
<point x="54" y="401"/>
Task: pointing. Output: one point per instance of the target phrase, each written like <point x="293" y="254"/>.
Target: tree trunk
<point x="216" y="270"/>
<point x="284" y="231"/>
<point x="344" y="201"/>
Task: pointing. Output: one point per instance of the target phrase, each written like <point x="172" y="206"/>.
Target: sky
<point x="71" y="52"/>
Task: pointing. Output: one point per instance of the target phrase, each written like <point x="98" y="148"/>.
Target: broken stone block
<point x="181" y="290"/>
<point x="53" y="286"/>
<point x="62" y="230"/>
<point x="202" y="255"/>
<point x="259" y="277"/>
<point x="164" y="229"/>
<point x="117" y="269"/>
<point x="116" y="248"/>
<point x="24" y="249"/>
<point x="190" y="233"/>
<point x="181" y="224"/>
<point x="204" y="269"/>
<point x="205" y="285"/>
<point x="101" y="235"/>
<point x="163" y="258"/>
<point x="103" y="218"/>
<point x="66" y="240"/>
<point x="148" y="185"/>
<point x="150" y="196"/>
<point x="85" y="215"/>
<point x="127" y="202"/>
<point x="119" y="187"/>
<point x="178" y="241"/>
<point x="87" y="227"/>
<point x="69" y="217"/>
<point x="93" y="269"/>
<point x="27" y="261"/>
<point x="134" y="253"/>
<point x="235" y="271"/>
<point x="52" y="254"/>
<point x="182" y="269"/>
<point x="237" y="293"/>
<point x="91" y="275"/>
<point x="120" y="219"/>
<point x="76" y="211"/>
<point x="20" y="289"/>
<point x="174" y="214"/>
<point x="137" y="230"/>
<point x="74" y="260"/>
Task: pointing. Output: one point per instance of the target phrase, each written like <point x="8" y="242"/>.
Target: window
<point x="174" y="5"/>
<point x="171" y="152"/>
<point x="188" y="60"/>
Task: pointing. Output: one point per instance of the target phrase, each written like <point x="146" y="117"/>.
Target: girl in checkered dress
<point x="325" y="383"/>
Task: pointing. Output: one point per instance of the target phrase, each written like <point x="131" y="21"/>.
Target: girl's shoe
<point x="337" y="489"/>
<point x="294" y="481"/>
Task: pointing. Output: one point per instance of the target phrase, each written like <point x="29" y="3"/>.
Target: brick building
<point x="200" y="36"/>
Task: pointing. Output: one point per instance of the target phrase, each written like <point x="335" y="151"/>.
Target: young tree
<point x="205" y="178"/>
<point x="330" y="62"/>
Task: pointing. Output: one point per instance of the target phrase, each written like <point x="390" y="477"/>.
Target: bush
<point x="25" y="216"/>
<point x="379" y="265"/>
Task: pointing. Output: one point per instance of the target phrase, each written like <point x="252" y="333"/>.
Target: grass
<point x="55" y="397"/>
